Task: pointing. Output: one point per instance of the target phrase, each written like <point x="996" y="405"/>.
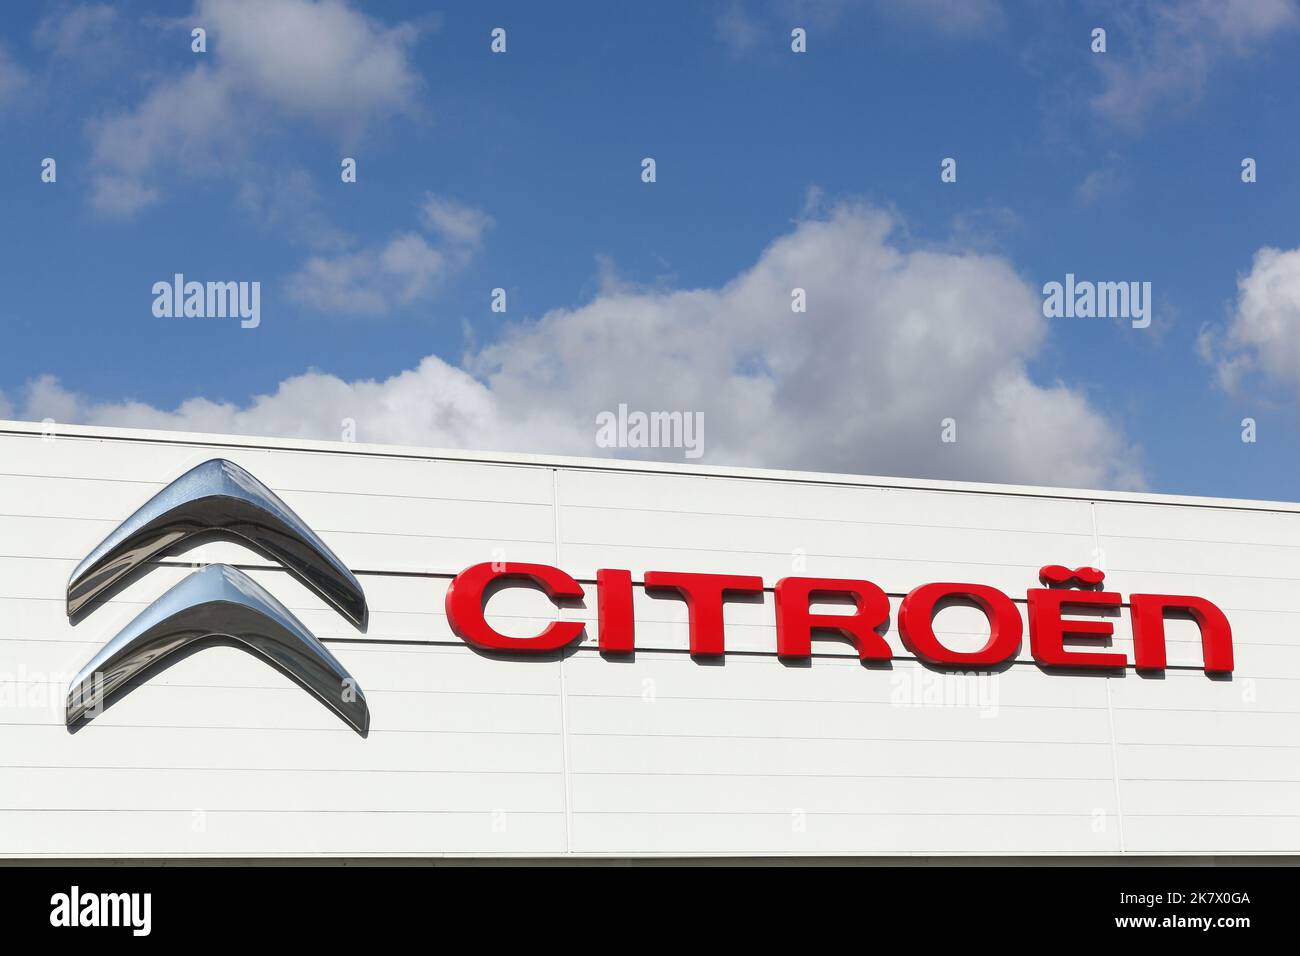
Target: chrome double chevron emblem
<point x="219" y="604"/>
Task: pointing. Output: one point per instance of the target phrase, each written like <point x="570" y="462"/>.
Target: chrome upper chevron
<point x="219" y="602"/>
<point x="217" y="498"/>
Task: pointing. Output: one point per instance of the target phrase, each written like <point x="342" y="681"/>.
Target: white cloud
<point x="318" y="59"/>
<point x="268" y="61"/>
<point x="408" y="268"/>
<point x="1163" y="57"/>
<point x="454" y="221"/>
<point x="188" y="122"/>
<point x="371" y="282"/>
<point x="893" y="342"/>
<point x="433" y="403"/>
<point x="1263" y="333"/>
<point x="120" y="196"/>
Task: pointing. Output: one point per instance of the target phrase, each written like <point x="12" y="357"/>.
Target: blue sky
<point x="522" y="171"/>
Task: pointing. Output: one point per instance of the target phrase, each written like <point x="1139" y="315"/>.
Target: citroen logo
<point x="219" y="604"/>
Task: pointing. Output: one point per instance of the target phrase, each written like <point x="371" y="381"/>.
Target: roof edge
<point x="203" y="439"/>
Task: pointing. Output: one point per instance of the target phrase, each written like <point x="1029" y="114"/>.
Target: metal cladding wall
<point x="471" y="753"/>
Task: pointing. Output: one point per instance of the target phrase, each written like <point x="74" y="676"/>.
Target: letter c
<point x="465" y="606"/>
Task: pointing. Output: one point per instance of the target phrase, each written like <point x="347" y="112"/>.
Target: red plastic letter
<point x="617" y="630"/>
<point x="1047" y="632"/>
<point x="704" y="594"/>
<point x="795" y="624"/>
<point x="1147" y="611"/>
<point x="465" y="606"/>
<point x="916" y="624"/>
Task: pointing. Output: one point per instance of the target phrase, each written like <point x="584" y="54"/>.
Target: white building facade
<point x="577" y="753"/>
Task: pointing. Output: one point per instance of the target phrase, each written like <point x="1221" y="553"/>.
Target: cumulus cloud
<point x="406" y="269"/>
<point x="894" y="341"/>
<point x="1263" y="333"/>
<point x="370" y="282"/>
<point x="120" y="196"/>
<point x="433" y="404"/>
<point x="1165" y="53"/>
<point x="454" y="221"/>
<point x="268" y="61"/>
<point x="318" y="59"/>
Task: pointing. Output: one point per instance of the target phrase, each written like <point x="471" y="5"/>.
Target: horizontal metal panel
<point x="1205" y="726"/>
<point x="788" y="794"/>
<point x="603" y="716"/>
<point x="152" y="466"/>
<point x="1263" y="797"/>
<point x="1211" y="833"/>
<point x="1090" y="830"/>
<point x="811" y="501"/>
<point x="1235" y="761"/>
<point x="224" y="790"/>
<point x="190" y="704"/>
<point x="1182" y="690"/>
<point x="654" y="677"/>
<point x="313" y="751"/>
<point x="1122" y="520"/>
<point x="67" y="541"/>
<point x="867" y="757"/>
<point x="891" y="575"/>
<point x="1214" y="559"/>
<point x="207" y="831"/>
<point x="784" y="546"/>
<point x="431" y="669"/>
